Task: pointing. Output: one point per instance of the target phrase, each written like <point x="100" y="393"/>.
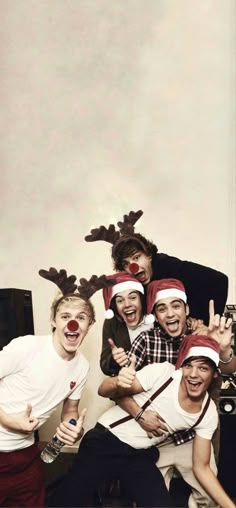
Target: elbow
<point x="199" y="471"/>
<point x="101" y="391"/>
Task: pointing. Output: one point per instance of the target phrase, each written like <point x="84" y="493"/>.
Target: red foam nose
<point x="72" y="325"/>
<point x="134" y="268"/>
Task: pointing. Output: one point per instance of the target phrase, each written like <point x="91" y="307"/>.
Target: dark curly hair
<point x="126" y="246"/>
<point x="114" y="307"/>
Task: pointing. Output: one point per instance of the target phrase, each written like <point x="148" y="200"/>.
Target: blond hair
<point x="61" y="299"/>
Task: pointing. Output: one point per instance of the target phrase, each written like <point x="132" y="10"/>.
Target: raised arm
<point x="116" y="332"/>
<point x="126" y="383"/>
<point x="204" y="474"/>
<point x="220" y="329"/>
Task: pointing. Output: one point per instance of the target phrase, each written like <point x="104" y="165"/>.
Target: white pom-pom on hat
<point x="149" y="319"/>
<point x="109" y="314"/>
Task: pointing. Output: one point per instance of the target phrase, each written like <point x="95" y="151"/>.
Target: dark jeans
<point x="103" y="456"/>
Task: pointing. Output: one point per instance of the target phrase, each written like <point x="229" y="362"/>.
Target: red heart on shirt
<point x="72" y="384"/>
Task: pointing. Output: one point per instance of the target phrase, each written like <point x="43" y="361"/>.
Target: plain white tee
<point x="31" y="371"/>
<point x="166" y="404"/>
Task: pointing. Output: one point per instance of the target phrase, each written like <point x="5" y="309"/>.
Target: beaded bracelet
<point x="230" y="357"/>
<point x="139" y="415"/>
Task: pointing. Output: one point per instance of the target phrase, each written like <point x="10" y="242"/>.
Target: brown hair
<point x="126" y="246"/>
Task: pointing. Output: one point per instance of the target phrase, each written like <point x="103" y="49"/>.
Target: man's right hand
<point x="152" y="423"/>
<point x="24" y="422"/>
<point x="118" y="354"/>
<point x="127" y="375"/>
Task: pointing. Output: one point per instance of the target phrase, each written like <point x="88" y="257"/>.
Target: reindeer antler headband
<point x="67" y="284"/>
<point x="110" y="234"/>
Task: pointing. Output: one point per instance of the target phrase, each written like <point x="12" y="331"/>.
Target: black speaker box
<point x="226" y="465"/>
<point x="16" y="314"/>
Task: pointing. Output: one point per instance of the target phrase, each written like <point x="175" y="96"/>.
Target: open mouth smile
<point x="194" y="385"/>
<point x="130" y="315"/>
<point x="173" y="325"/>
<point x="72" y="336"/>
<point x="141" y="276"/>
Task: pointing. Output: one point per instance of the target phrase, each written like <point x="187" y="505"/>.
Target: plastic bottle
<point x="52" y="449"/>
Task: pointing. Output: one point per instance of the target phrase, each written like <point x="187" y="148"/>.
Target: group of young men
<point x="148" y="301"/>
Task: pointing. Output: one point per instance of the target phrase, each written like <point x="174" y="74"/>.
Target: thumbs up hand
<point x="24" y="422"/>
<point x="68" y="433"/>
<point x="118" y="354"/>
<point x="127" y="375"/>
<point x="27" y="422"/>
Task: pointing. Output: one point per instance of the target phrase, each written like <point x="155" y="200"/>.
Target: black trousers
<point x="103" y="456"/>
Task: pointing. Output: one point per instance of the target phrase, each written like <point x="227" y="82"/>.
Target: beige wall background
<point x="111" y="106"/>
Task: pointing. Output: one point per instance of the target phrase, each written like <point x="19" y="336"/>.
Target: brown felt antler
<point x="65" y="284"/>
<point x="127" y="227"/>
<point x="88" y="287"/>
<point x="110" y="235"/>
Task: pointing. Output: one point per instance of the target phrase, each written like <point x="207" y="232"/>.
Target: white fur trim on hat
<point x="129" y="284"/>
<point x="164" y="293"/>
<point x="204" y="351"/>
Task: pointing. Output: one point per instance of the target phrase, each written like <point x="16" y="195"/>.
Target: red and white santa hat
<point x="163" y="288"/>
<point x="123" y="281"/>
<point x="198" y="345"/>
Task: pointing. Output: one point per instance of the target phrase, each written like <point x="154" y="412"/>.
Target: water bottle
<point x="52" y="449"/>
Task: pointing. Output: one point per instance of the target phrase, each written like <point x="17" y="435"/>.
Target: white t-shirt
<point x="31" y="371"/>
<point x="166" y="404"/>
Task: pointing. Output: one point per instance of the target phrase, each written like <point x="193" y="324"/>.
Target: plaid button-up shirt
<point x="154" y="346"/>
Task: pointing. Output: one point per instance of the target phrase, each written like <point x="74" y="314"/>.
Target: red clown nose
<point x="134" y="268"/>
<point x="72" y="325"/>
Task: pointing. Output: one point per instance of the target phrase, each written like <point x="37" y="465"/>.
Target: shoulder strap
<point x="202" y="413"/>
<point x="145" y="405"/>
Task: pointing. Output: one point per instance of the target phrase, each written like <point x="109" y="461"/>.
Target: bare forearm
<point x="150" y="421"/>
<point x="67" y="415"/>
<point x="210" y="483"/>
<point x="110" y="389"/>
<point x="129" y="405"/>
<point x="227" y="362"/>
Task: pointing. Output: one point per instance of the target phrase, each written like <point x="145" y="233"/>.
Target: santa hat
<point x="198" y="345"/>
<point x="163" y="288"/>
<point x="123" y="281"/>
